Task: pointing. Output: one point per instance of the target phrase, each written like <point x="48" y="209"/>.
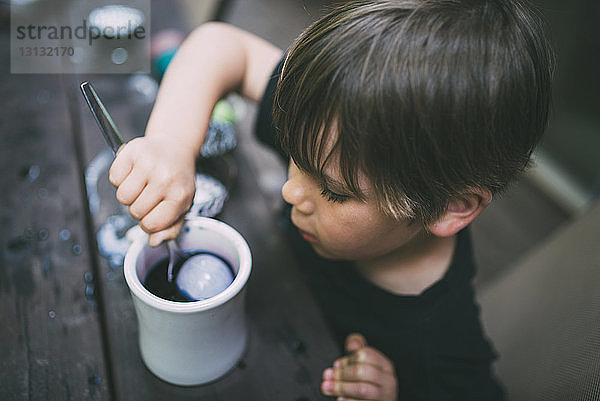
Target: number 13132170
<point x="46" y="51"/>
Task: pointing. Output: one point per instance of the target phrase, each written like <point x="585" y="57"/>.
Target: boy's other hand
<point x="155" y="177"/>
<point x="365" y="374"/>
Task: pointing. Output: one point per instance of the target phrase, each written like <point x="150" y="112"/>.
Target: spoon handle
<point x="172" y="247"/>
<point x="105" y="122"/>
<point x="115" y="140"/>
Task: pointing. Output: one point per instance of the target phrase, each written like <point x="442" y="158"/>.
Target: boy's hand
<point x="155" y="177"/>
<point x="366" y="374"/>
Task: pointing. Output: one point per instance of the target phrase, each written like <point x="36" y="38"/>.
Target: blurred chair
<point x="543" y="316"/>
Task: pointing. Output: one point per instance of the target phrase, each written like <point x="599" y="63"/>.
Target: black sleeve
<point x="264" y="129"/>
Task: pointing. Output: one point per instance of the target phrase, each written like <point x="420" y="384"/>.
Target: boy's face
<point x="336" y="224"/>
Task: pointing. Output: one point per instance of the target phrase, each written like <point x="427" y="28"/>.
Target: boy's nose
<point x="296" y="193"/>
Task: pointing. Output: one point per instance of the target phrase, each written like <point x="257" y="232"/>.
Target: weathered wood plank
<point x="50" y="340"/>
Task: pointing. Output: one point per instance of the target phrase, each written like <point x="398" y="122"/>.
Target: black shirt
<point x="435" y="339"/>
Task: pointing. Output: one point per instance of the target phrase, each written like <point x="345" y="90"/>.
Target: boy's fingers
<point x="148" y="200"/>
<point x="359" y="372"/>
<point x="163" y="216"/>
<point x="358" y="390"/>
<point x="158" y="238"/>
<point x="131" y="188"/>
<point x="368" y="355"/>
<point x="355" y="341"/>
<point x="121" y="167"/>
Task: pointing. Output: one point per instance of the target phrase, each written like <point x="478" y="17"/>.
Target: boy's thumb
<point x="355" y="341"/>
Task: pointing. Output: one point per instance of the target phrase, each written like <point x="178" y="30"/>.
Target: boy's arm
<point x="154" y="174"/>
<point x="215" y="59"/>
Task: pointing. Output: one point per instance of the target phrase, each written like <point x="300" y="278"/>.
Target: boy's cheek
<point x="322" y="251"/>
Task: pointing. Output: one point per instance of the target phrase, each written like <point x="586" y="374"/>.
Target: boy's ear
<point x="460" y="212"/>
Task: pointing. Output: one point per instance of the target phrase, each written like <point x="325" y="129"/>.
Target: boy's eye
<point x="332" y="196"/>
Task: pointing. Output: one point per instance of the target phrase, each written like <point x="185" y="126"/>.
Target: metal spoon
<point x="175" y="254"/>
<point x="115" y="140"/>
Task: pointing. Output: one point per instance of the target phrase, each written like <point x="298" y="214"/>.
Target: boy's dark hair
<point x="429" y="99"/>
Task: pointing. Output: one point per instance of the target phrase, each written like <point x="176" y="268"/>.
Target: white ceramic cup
<point x="191" y="343"/>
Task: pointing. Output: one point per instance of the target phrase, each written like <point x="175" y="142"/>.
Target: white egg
<point x="203" y="276"/>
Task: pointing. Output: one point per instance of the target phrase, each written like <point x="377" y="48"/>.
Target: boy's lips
<point x="304" y="234"/>
<point x="308" y="237"/>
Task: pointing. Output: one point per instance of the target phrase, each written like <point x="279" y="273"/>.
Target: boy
<point x="401" y="120"/>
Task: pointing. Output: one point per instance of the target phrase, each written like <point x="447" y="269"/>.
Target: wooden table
<point x="69" y="330"/>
